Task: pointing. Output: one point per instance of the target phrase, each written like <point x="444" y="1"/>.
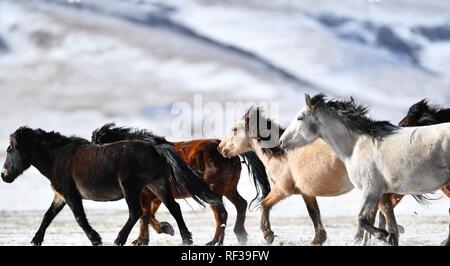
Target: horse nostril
<point x="281" y="143"/>
<point x="4" y="172"/>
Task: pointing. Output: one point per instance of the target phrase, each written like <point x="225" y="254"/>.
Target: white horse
<point x="380" y="157"/>
<point x="313" y="170"/>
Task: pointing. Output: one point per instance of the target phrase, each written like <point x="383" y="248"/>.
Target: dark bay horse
<point x="221" y="174"/>
<point x="78" y="169"/>
<point x="424" y="114"/>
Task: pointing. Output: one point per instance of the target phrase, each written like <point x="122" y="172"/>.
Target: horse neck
<point x="265" y="159"/>
<point x="44" y="159"/>
<point x="443" y="115"/>
<point x="338" y="136"/>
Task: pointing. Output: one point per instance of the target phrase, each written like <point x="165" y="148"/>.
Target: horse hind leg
<point x="150" y="204"/>
<point x="220" y="215"/>
<point x="132" y="197"/>
<point x="159" y="227"/>
<point x="164" y="193"/>
<point x="241" y="208"/>
<point x="314" y="212"/>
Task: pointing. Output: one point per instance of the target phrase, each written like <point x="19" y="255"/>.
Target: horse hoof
<point x="357" y="240"/>
<point x="36" y="242"/>
<point x="166" y="228"/>
<point x="392" y="239"/>
<point x="97" y="243"/>
<point x="211" y="243"/>
<point x="269" y="237"/>
<point x="319" y="239"/>
<point x="382" y="235"/>
<point x="140" y="242"/>
<point x="119" y="242"/>
<point x="95" y="238"/>
<point x="187" y="242"/>
<point x="242" y="239"/>
<point x="400" y="229"/>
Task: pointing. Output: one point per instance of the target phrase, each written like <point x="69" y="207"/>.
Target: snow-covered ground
<point x="72" y="67"/>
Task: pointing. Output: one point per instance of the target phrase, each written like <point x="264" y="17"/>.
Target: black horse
<point x="78" y="169"/>
<point x="424" y="114"/>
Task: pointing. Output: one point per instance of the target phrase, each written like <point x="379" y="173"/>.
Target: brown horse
<point x="422" y="114"/>
<point x="221" y="174"/>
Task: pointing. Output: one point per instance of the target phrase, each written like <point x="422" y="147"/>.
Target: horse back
<point x="97" y="170"/>
<point x="203" y="156"/>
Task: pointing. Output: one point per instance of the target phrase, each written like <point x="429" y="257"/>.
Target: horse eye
<point x="300" y="118"/>
<point x="235" y="130"/>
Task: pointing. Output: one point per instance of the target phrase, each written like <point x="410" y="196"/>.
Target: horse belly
<point x="326" y="186"/>
<point x="98" y="187"/>
<point x="323" y="180"/>
<point x="418" y="182"/>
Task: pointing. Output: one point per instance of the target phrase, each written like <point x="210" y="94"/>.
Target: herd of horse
<point x="329" y="148"/>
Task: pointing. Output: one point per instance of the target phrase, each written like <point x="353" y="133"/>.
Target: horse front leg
<point x="267" y="203"/>
<point x="367" y="216"/>
<point x="241" y="208"/>
<point x="56" y="206"/>
<point x="314" y="213"/>
<point x="73" y="199"/>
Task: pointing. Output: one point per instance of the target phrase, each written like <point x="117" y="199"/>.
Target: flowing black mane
<point x="110" y="132"/>
<point x="25" y="137"/>
<point x="354" y="116"/>
<point x="254" y="131"/>
<point x="423" y="113"/>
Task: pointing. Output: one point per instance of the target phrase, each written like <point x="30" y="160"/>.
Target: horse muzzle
<point x="223" y="151"/>
<point x="284" y="145"/>
<point x="6" y="176"/>
<point x="405" y="123"/>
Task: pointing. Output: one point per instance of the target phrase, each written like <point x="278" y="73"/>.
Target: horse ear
<point x="308" y="101"/>
<point x="13" y="141"/>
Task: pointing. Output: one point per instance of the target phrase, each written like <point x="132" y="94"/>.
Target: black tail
<point x="424" y="200"/>
<point x="182" y="176"/>
<point x="258" y="173"/>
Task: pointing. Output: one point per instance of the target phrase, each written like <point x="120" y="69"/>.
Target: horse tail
<point x="423" y="199"/>
<point x="181" y="176"/>
<point x="258" y="173"/>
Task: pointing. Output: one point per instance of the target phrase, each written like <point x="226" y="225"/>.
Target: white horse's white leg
<point x="368" y="213"/>
<point x="366" y="238"/>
